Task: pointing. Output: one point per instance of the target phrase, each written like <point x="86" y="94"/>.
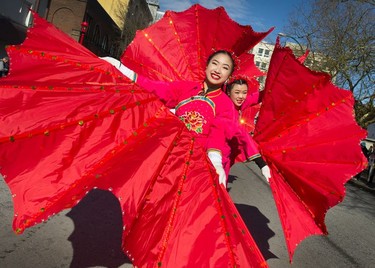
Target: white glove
<point x="216" y="161"/>
<point x="121" y="67"/>
<point x="266" y="172"/>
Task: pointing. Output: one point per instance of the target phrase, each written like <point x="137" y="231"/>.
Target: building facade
<point x="154" y="8"/>
<point x="111" y="24"/>
<point x="103" y="34"/>
<point x="262" y="57"/>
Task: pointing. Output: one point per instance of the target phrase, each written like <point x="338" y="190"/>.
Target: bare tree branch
<point x="341" y="36"/>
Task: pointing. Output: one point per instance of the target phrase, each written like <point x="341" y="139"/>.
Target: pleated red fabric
<point x="307" y="134"/>
<point x="70" y="122"/>
<point x="249" y="117"/>
<point x="178" y="45"/>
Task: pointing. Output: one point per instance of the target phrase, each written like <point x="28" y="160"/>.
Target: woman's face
<point x="218" y="69"/>
<point x="238" y="94"/>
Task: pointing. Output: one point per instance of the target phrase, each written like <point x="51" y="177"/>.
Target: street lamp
<point x="289" y="36"/>
<point x="84" y="27"/>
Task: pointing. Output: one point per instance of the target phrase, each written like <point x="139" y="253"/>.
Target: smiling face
<point x="218" y="70"/>
<point x="238" y="94"/>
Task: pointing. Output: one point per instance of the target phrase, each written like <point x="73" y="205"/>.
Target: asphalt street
<point x="89" y="235"/>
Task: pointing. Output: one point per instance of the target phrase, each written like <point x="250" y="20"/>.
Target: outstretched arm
<point x="167" y="92"/>
<point x="121" y="67"/>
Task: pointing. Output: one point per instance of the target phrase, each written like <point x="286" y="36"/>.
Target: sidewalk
<point x="361" y="182"/>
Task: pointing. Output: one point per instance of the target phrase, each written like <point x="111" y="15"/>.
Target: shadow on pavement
<point x="257" y="224"/>
<point x="96" y="239"/>
<point x="97" y="235"/>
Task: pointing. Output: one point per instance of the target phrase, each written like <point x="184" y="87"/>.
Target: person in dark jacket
<point x="5" y="65"/>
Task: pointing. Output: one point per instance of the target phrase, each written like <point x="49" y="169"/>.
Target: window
<point x="263" y="66"/>
<point x="105" y="43"/>
<point x="267" y="53"/>
<point x="260" y="51"/>
<point x="96" y="36"/>
<point x="257" y="63"/>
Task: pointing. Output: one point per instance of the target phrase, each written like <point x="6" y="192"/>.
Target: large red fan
<point x="178" y="46"/>
<point x="304" y="118"/>
<point x="307" y="133"/>
<point x="71" y="123"/>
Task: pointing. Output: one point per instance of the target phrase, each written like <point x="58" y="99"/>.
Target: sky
<point x="260" y="14"/>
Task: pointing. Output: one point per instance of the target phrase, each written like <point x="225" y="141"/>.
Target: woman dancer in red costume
<point x="238" y="91"/>
<point x="205" y="110"/>
<point x="243" y="97"/>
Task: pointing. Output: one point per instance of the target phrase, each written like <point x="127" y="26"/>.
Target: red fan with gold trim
<point x="178" y="46"/>
<point x="307" y="134"/>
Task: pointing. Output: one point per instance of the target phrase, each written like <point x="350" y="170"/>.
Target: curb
<point x="360" y="183"/>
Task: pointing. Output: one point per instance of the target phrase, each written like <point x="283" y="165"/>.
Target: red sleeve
<point x="232" y="140"/>
<point x="170" y="93"/>
<point x="218" y="136"/>
<point x="252" y="99"/>
<point x="249" y="146"/>
<point x="221" y="129"/>
<point x="165" y="91"/>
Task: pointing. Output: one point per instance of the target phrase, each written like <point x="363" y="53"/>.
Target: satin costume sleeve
<point x="221" y="127"/>
<point x="170" y="93"/>
<point x="237" y="144"/>
<point x="252" y="99"/>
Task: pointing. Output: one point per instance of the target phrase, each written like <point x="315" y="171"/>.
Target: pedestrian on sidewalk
<point x="371" y="168"/>
<point x="4" y="66"/>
